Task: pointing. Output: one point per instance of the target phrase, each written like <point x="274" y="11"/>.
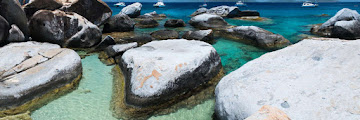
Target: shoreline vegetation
<point x="174" y="64"/>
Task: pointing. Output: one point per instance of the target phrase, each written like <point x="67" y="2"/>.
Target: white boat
<point x="120" y="4"/>
<point x="160" y="3"/>
<point x="309" y="4"/>
<point x="240" y="4"/>
<point x="204" y="5"/>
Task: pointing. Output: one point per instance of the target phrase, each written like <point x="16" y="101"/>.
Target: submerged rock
<point x="165" y="34"/>
<point x="14" y="14"/>
<point x="162" y="71"/>
<point x="175" y="23"/>
<point x="119" y="49"/>
<point x="203" y="35"/>
<point x="132" y="10"/>
<point x="15" y="35"/>
<point x="147" y="23"/>
<point x="247" y="13"/>
<point x="4" y="29"/>
<point x="345" y="25"/>
<point x="119" y="23"/>
<point x="64" y="28"/>
<point x="96" y="11"/>
<point x="256" y="36"/>
<point x="208" y="21"/>
<point x="225" y="11"/>
<point x="199" y="11"/>
<point x="307" y="81"/>
<point x="35" y="5"/>
<point x="33" y="73"/>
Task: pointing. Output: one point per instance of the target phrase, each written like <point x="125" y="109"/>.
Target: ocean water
<point x="91" y="101"/>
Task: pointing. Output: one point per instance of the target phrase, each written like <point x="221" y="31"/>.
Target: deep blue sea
<point x="92" y="99"/>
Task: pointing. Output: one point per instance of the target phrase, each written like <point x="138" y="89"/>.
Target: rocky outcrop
<point x="225" y="11"/>
<point x="4" y="30"/>
<point x="165" y="34"/>
<point x="208" y="21"/>
<point x="199" y="11"/>
<point x="307" y="81"/>
<point x="35" y="5"/>
<point x="158" y="72"/>
<point x="147" y="23"/>
<point x="14" y="14"/>
<point x="152" y="15"/>
<point x="64" y="28"/>
<point x="139" y="39"/>
<point x="256" y="36"/>
<point x="248" y="13"/>
<point x="119" y="49"/>
<point x="35" y="71"/>
<point x="203" y="35"/>
<point x="119" y="23"/>
<point x="15" y="35"/>
<point x="107" y="41"/>
<point x="96" y="11"/>
<point x="132" y="10"/>
<point x="175" y="23"/>
<point x="345" y="25"/>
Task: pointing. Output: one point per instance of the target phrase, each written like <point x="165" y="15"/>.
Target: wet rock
<point x="203" y="35"/>
<point x="132" y="10"/>
<point x="96" y="11"/>
<point x="107" y="41"/>
<point x="199" y="11"/>
<point x="345" y="25"/>
<point x="119" y="23"/>
<point x="208" y="21"/>
<point x="26" y="78"/>
<point x="35" y="5"/>
<point x="158" y="72"/>
<point x="147" y="23"/>
<point x="225" y="11"/>
<point x="268" y="112"/>
<point x="15" y="35"/>
<point x="14" y="14"/>
<point x="165" y="34"/>
<point x="119" y="49"/>
<point x="247" y="13"/>
<point x="64" y="28"/>
<point x="140" y="39"/>
<point x="256" y="36"/>
<point x="175" y="23"/>
<point x="306" y="81"/>
<point x="4" y="29"/>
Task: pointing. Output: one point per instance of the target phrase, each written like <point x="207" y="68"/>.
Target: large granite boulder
<point x="311" y="80"/>
<point x="139" y="39"/>
<point x="256" y="36"/>
<point x="162" y="71"/>
<point x="152" y="15"/>
<point x="67" y="29"/>
<point x="31" y="73"/>
<point x="4" y="29"/>
<point x="96" y="11"/>
<point x="15" y="35"/>
<point x="132" y="10"/>
<point x="345" y="24"/>
<point x="107" y="41"/>
<point x="119" y="49"/>
<point x="203" y="35"/>
<point x="165" y="34"/>
<point x="35" y="5"/>
<point x="147" y="23"/>
<point x="14" y="14"/>
<point x="175" y="23"/>
<point x="199" y="11"/>
<point x="119" y="23"/>
<point x="225" y="11"/>
<point x="208" y="21"/>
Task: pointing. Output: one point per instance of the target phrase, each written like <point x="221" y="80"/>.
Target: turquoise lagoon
<point x="92" y="98"/>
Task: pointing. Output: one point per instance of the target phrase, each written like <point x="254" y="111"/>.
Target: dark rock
<point x="165" y="34"/>
<point x="208" y="21"/>
<point x="35" y="5"/>
<point x="96" y="11"/>
<point x="203" y="35"/>
<point x="249" y="13"/>
<point x="175" y="23"/>
<point x="107" y="41"/>
<point x="225" y="11"/>
<point x="257" y="36"/>
<point x="15" y="34"/>
<point x="14" y="14"/>
<point x="67" y="29"/>
<point x="147" y="23"/>
<point x="119" y="23"/>
<point x="140" y="39"/>
<point x="132" y="10"/>
<point x="199" y="11"/>
<point x="119" y="49"/>
<point x="4" y="29"/>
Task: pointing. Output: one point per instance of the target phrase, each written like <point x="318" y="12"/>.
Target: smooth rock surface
<point x="203" y="35"/>
<point x="132" y="10"/>
<point x="34" y="5"/>
<point x="311" y="80"/>
<point x="15" y="34"/>
<point x="67" y="29"/>
<point x="140" y="39"/>
<point x="199" y="11"/>
<point x="147" y="23"/>
<point x="207" y="21"/>
<point x="248" y="13"/>
<point x="4" y="29"/>
<point x="14" y="14"/>
<point x="25" y="74"/>
<point x="165" y="34"/>
<point x="175" y="23"/>
<point x="119" y="23"/>
<point x="152" y="15"/>
<point x="257" y="36"/>
<point x="160" y="70"/>
<point x="115" y="50"/>
<point x="107" y="41"/>
<point x="225" y="11"/>
<point x="268" y="112"/>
